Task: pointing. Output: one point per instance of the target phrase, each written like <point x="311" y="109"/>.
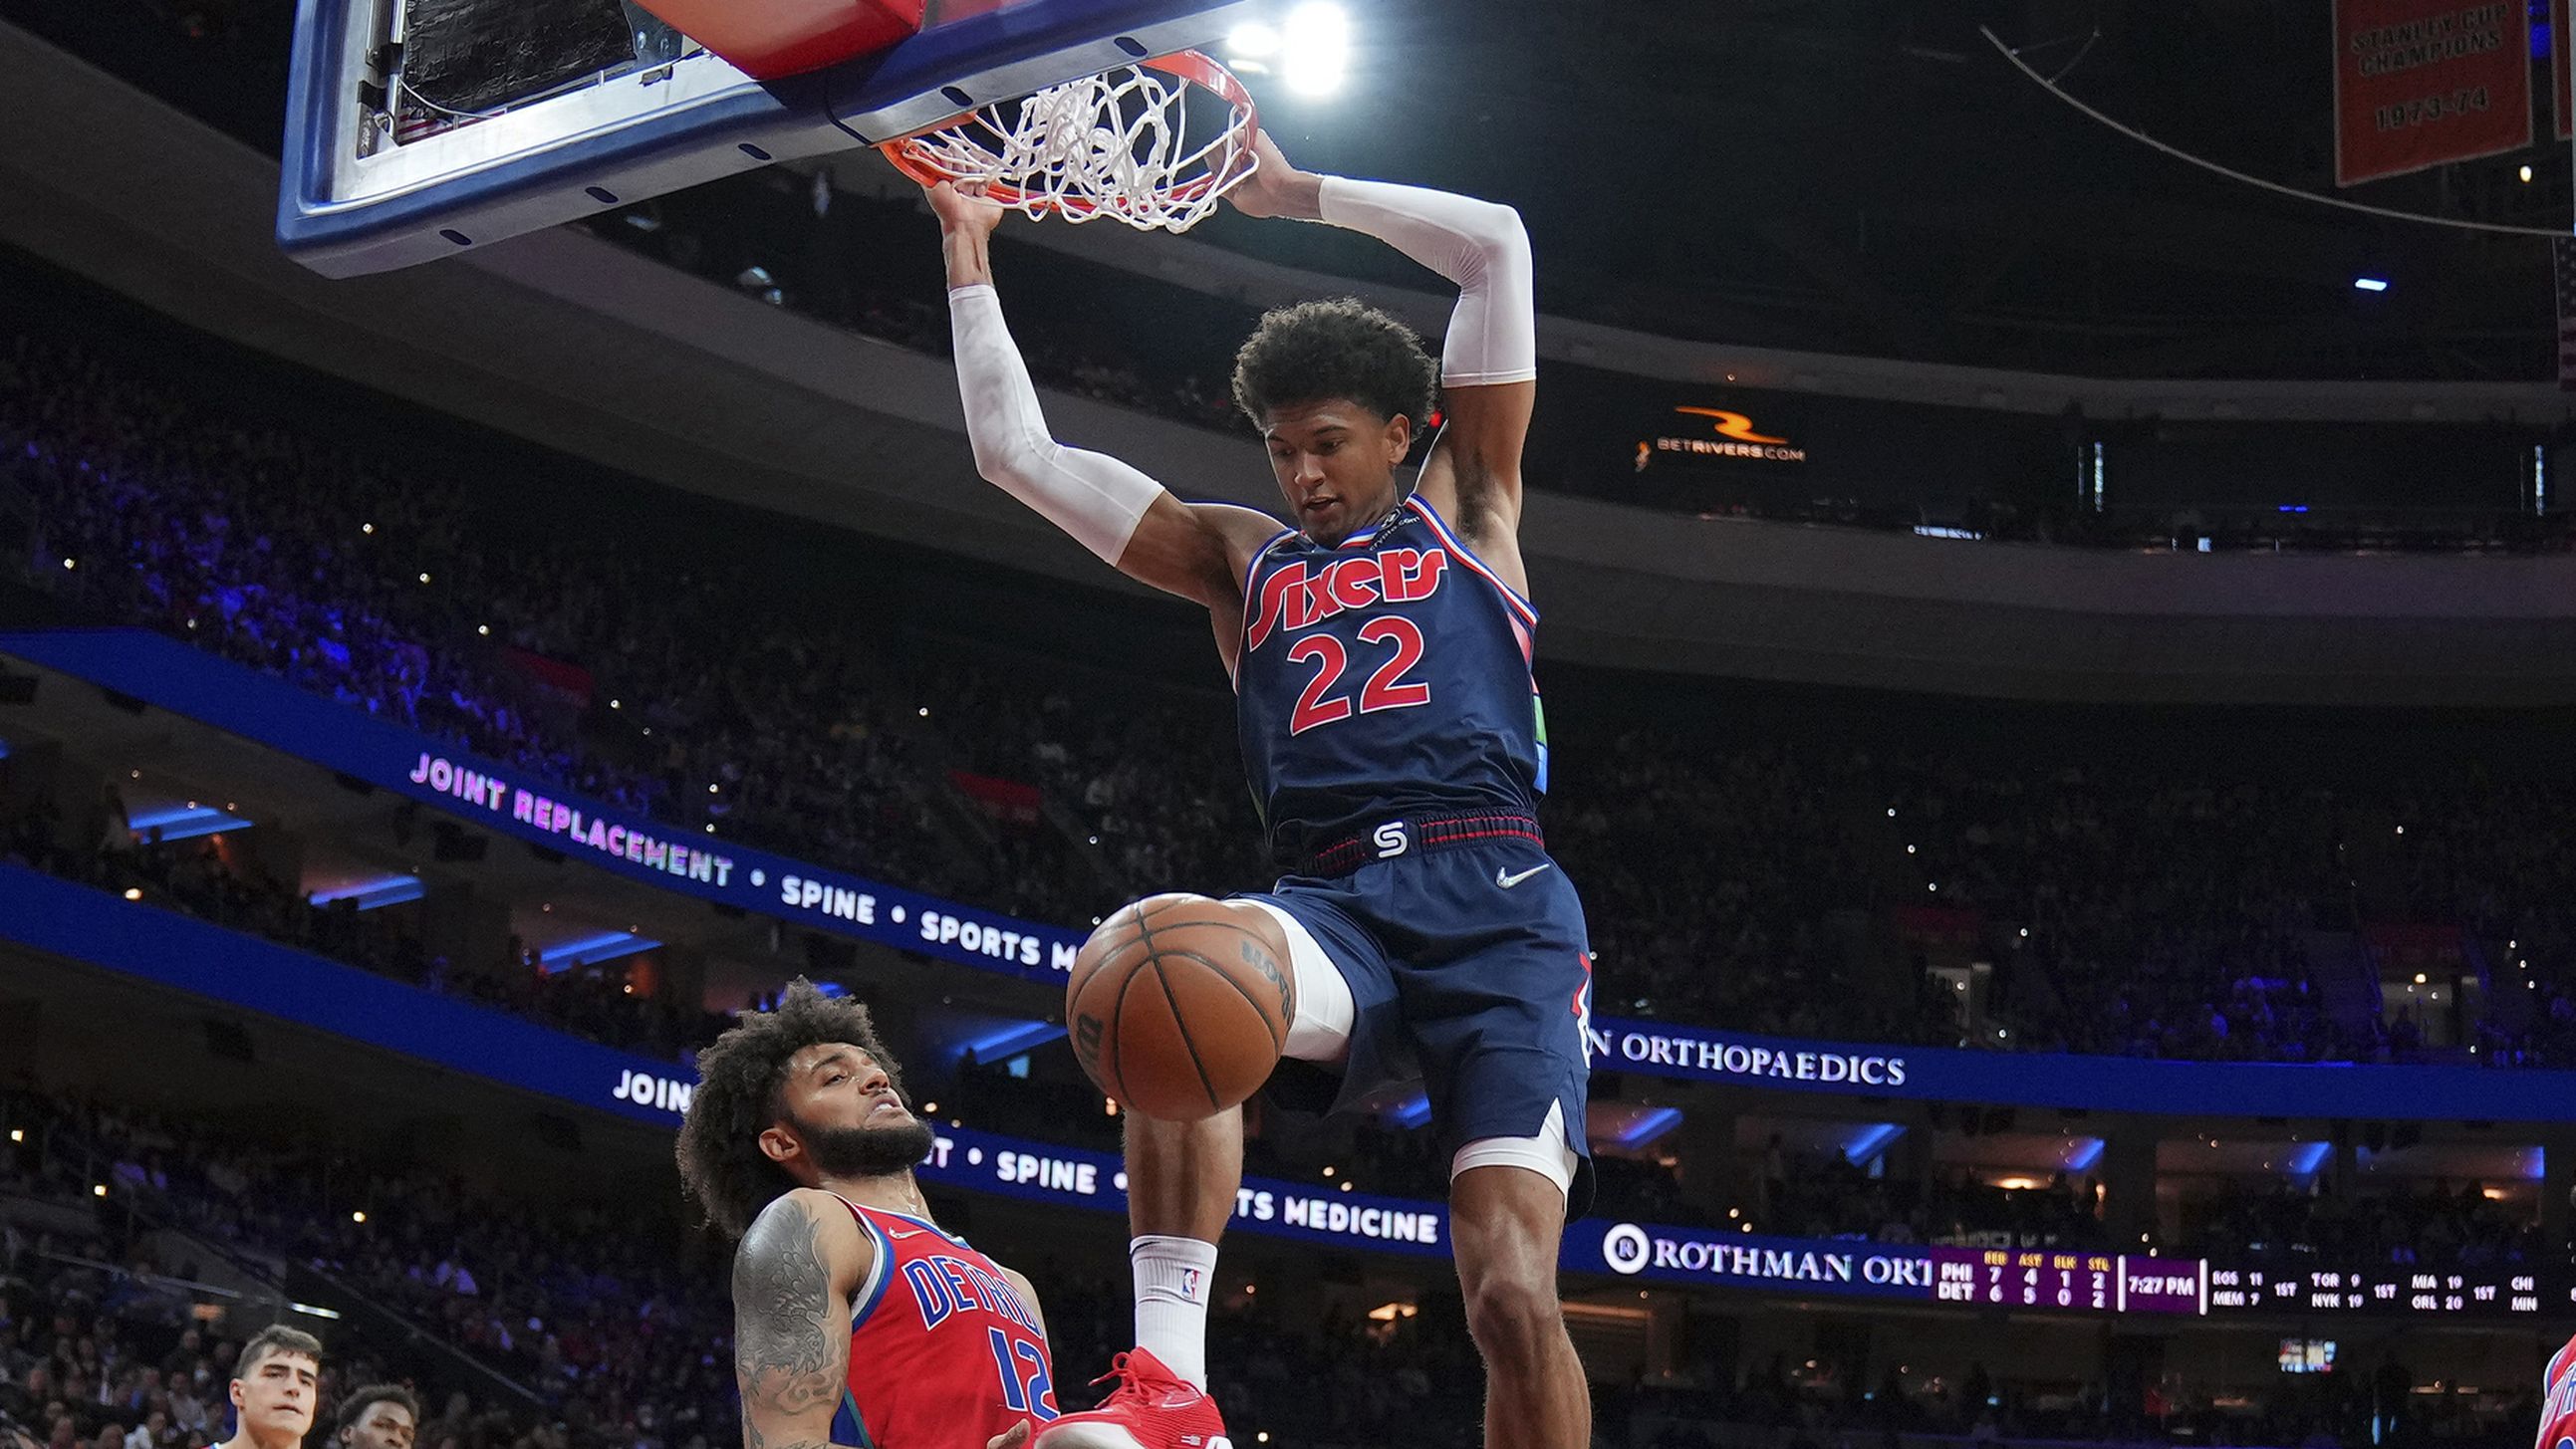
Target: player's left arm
<point x="1489" y="363"/>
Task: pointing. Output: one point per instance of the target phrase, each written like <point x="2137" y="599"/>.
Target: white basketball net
<point x="1112" y="145"/>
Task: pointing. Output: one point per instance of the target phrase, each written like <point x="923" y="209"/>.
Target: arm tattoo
<point x="786" y="1359"/>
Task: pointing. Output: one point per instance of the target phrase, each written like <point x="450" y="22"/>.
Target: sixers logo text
<point x="1297" y="596"/>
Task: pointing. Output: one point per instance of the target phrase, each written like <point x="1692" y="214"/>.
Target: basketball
<point x="1177" y="1010"/>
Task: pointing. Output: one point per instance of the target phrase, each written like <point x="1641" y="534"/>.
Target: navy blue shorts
<point x="1471" y="974"/>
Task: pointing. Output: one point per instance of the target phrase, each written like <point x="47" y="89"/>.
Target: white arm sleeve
<point x="1493" y="336"/>
<point x="1092" y="496"/>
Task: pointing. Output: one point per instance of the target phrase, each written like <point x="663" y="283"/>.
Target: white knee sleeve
<point x="1325" y="1008"/>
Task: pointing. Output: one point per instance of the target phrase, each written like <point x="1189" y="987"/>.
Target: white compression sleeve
<point x="1493" y="336"/>
<point x="1092" y="496"/>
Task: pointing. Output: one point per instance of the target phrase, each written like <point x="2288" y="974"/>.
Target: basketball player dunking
<point x="858" y="1322"/>
<point x="1380" y="648"/>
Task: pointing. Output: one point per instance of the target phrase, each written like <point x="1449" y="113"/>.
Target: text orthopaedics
<point x="1738" y="1059"/>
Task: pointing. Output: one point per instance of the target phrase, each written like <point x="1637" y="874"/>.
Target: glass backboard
<point x="421" y="128"/>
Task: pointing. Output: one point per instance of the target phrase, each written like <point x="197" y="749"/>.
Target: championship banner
<point x="2422" y="83"/>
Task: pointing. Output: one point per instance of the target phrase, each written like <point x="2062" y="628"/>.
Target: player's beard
<point x="847" y="1152"/>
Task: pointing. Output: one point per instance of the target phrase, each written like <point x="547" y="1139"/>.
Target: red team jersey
<point x="944" y="1352"/>
<point x="2558" y="1401"/>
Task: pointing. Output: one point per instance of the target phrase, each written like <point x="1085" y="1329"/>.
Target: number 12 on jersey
<point x="1032" y="1393"/>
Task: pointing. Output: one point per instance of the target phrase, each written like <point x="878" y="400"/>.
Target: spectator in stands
<point x="378" y="1416"/>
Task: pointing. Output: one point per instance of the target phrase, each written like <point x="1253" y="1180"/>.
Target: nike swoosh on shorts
<point x="1507" y="879"/>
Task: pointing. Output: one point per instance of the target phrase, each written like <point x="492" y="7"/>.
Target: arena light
<point x="372" y="892"/>
<point x="1647" y="1128"/>
<point x="185" y="822"/>
<point x="1251" y="47"/>
<point x="1870" y="1142"/>
<point x="2525" y="174"/>
<point x="1315" y="48"/>
<point x="592" y="950"/>
<point x="2306" y="1161"/>
<point x="1013" y="1040"/>
<point x="2370" y="284"/>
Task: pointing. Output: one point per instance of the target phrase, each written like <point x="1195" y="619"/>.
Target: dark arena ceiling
<point x="1872" y="176"/>
<point x="1854" y="176"/>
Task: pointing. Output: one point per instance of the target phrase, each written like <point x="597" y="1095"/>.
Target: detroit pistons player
<point x="858" y="1322"/>
<point x="2558" y="1400"/>
<point x="1380" y="647"/>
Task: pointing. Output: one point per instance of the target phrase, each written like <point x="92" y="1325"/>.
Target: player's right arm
<point x="792" y="1279"/>
<point x="1194" y="550"/>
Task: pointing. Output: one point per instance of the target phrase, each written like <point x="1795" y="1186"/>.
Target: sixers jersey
<point x="1386" y="677"/>
<point x="944" y="1352"/>
<point x="2558" y="1401"/>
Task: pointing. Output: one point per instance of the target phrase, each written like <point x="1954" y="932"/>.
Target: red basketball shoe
<point x="1152" y="1408"/>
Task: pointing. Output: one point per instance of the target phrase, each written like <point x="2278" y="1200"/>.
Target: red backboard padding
<point x="766" y="39"/>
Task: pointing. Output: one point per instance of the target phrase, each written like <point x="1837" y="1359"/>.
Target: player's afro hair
<point x="1318" y="351"/>
<point x="721" y="1164"/>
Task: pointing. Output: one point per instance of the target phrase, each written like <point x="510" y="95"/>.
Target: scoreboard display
<point x="2510" y="1290"/>
<point x="2065" y="1280"/>
<point x="2055" y="1278"/>
<point x="2117" y="1283"/>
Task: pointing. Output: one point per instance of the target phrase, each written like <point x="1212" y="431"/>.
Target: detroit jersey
<point x="944" y="1352"/>
<point x="1383" y="678"/>
<point x="2558" y="1401"/>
